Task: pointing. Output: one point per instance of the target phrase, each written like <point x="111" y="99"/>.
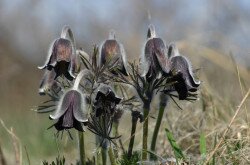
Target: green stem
<point x="98" y="152"/>
<point x="163" y="103"/>
<point x="156" y="131"/>
<point x="145" y="132"/>
<point x="132" y="137"/>
<point x="111" y="156"/>
<point x="81" y="148"/>
<point x="104" y="156"/>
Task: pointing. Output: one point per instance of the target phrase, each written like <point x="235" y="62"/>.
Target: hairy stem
<point x="132" y="136"/>
<point x="156" y="131"/>
<point x="145" y="132"/>
<point x="104" y="156"/>
<point x="82" y="148"/>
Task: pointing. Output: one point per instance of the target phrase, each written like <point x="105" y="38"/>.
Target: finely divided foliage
<point x="94" y="92"/>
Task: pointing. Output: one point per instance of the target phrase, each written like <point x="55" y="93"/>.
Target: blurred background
<point x="210" y="33"/>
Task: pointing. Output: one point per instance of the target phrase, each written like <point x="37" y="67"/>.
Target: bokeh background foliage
<point x="214" y="35"/>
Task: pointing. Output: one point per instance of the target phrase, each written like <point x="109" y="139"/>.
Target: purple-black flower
<point x="181" y="70"/>
<point x="48" y="83"/>
<point x="71" y="111"/>
<point x="113" y="54"/>
<point x="102" y="118"/>
<point x="154" y="59"/>
<point x="105" y="102"/>
<point x="61" y="58"/>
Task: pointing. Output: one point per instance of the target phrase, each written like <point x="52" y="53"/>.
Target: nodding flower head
<point x="71" y="111"/>
<point x="62" y="56"/>
<point x="182" y="72"/>
<point x="113" y="53"/>
<point x="105" y="101"/>
<point x="154" y="59"/>
<point x="48" y="83"/>
<point x="102" y="118"/>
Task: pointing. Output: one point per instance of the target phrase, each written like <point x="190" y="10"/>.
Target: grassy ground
<point x="221" y="92"/>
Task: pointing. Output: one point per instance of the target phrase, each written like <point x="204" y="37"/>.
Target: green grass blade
<point x="177" y="150"/>
<point x="203" y="147"/>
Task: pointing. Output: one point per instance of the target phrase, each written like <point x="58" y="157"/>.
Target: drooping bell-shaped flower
<point x="102" y="118"/>
<point x="154" y="58"/>
<point x="71" y="111"/>
<point x="48" y="83"/>
<point x="105" y="101"/>
<point x="181" y="70"/>
<point x="112" y="53"/>
<point x="62" y="56"/>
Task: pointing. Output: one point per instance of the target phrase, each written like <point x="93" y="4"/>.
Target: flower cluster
<point x="96" y="93"/>
<point x="158" y="60"/>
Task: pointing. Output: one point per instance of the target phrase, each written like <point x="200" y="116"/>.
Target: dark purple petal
<point x="105" y="101"/>
<point x="62" y="68"/>
<point x="155" y="59"/>
<point x="180" y="87"/>
<point x="58" y="125"/>
<point x="78" y="126"/>
<point x="79" y="108"/>
<point x="51" y="58"/>
<point x="61" y="58"/>
<point x="182" y="65"/>
<point x="64" y="105"/>
<point x="112" y="52"/>
<point x="173" y="50"/>
<point x="63" y="50"/>
<point x="61" y="124"/>
<point x="70" y="111"/>
<point x="98" y="112"/>
<point x="111" y="96"/>
<point x="68" y="119"/>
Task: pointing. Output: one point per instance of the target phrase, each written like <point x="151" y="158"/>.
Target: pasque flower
<point x="154" y="58"/>
<point x="105" y="101"/>
<point x="113" y="54"/>
<point x="71" y="111"/>
<point x="181" y="70"/>
<point x="62" y="56"/>
<point x="102" y="117"/>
